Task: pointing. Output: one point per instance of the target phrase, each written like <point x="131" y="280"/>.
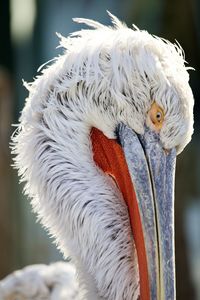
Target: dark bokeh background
<point x="27" y="31"/>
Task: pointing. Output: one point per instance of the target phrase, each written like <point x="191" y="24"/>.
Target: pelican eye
<point x="156" y="116"/>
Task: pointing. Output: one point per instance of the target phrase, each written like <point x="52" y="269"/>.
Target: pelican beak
<point x="152" y="171"/>
<point x="144" y="173"/>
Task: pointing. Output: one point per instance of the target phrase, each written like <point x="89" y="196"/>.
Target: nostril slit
<point x="117" y="135"/>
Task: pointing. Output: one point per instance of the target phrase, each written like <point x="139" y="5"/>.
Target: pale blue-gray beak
<point x="152" y="172"/>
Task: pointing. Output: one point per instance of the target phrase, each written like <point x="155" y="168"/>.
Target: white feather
<point x="89" y="22"/>
<point x="41" y="282"/>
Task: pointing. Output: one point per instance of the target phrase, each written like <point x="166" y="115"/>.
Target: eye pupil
<point x="158" y="116"/>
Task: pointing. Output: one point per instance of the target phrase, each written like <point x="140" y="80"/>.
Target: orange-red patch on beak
<point x="109" y="156"/>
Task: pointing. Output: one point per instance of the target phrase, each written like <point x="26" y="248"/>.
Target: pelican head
<point x="96" y="146"/>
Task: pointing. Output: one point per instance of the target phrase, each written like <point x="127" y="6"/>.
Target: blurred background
<point x="28" y="39"/>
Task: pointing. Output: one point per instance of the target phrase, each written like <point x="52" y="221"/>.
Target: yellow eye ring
<point x="156" y="116"/>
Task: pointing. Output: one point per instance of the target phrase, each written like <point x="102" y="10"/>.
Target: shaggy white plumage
<point x="40" y="282"/>
<point x="105" y="76"/>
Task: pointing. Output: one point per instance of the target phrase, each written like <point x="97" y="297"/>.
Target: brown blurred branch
<point x="6" y="111"/>
<point x="6" y="249"/>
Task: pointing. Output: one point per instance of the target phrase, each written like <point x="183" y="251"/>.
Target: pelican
<point x="96" y="148"/>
